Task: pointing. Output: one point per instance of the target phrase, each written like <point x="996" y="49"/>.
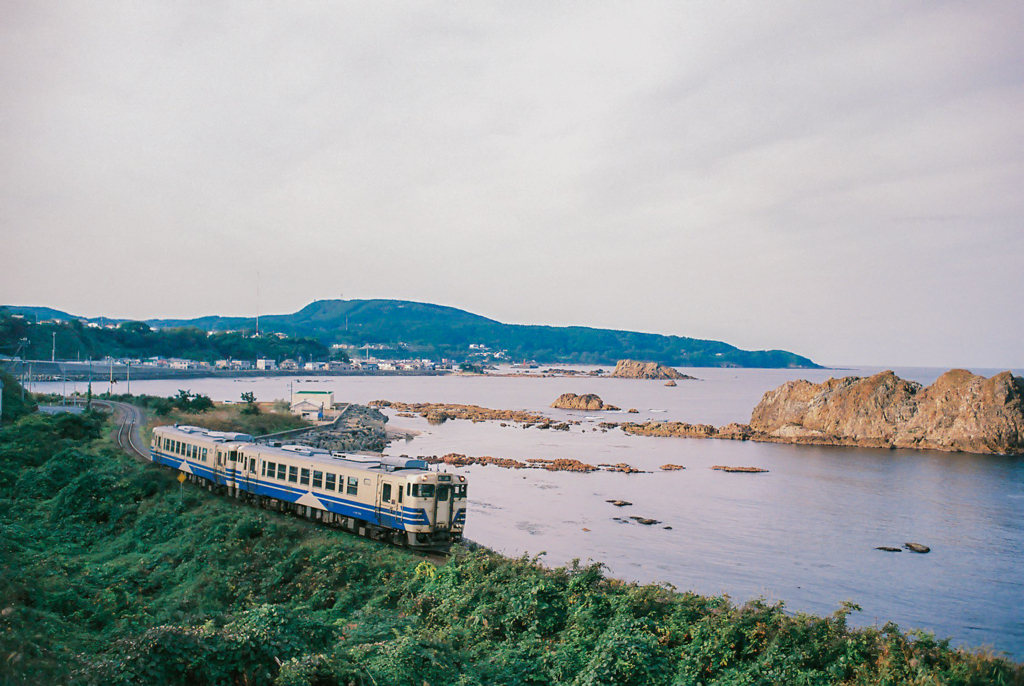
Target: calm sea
<point x="804" y="533"/>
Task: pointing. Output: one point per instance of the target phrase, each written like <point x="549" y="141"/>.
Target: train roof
<point x="216" y="436"/>
<point x="319" y="455"/>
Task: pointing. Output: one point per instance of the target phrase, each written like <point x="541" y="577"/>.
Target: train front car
<point x="434" y="509"/>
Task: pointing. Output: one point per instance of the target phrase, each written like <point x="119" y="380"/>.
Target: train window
<point x="385" y="493"/>
<point x="318" y="479"/>
<point x="252" y="465"/>
<point x="204" y="454"/>
<point x="293" y="474"/>
<point x="460" y="490"/>
<point x="264" y="472"/>
<point x="304" y="477"/>
<point x="399" y="494"/>
<point x="177" y="447"/>
<point x="233" y="455"/>
<point x="423" y="490"/>
<point x="444" y="492"/>
<point x="329" y="483"/>
<point x="188" y="450"/>
<point x="280" y="471"/>
<point x="353" y="486"/>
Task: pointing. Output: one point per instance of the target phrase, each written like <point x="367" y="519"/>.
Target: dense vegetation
<point x="111" y="574"/>
<point x="74" y="340"/>
<point x="436" y="331"/>
<point x="16" y="402"/>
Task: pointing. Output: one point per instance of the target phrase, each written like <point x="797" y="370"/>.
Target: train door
<point x="218" y="460"/>
<point x="231" y="473"/>
<point x="443" y="506"/>
<point x="388" y="509"/>
<point x="242" y="473"/>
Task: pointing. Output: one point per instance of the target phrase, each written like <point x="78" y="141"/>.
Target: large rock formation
<point x="631" y="369"/>
<point x="588" y="401"/>
<point x="959" y="412"/>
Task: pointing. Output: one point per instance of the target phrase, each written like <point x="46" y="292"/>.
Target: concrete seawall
<point x="45" y="370"/>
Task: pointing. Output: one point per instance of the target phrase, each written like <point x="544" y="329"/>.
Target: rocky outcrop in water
<point x="961" y="411"/>
<point x="667" y="429"/>
<point x="438" y="413"/>
<point x="631" y="369"/>
<point x="361" y="428"/>
<point x="589" y="402"/>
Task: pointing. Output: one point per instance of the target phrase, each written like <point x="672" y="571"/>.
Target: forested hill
<point x="428" y="330"/>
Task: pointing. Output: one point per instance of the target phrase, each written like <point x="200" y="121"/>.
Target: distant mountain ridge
<point x="426" y="329"/>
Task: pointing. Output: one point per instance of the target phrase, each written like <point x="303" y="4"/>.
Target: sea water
<point x="804" y="533"/>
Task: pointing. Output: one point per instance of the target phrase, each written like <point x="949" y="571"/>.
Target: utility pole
<point x="257" y="304"/>
<point x="129" y="377"/>
<point x="53" y="350"/>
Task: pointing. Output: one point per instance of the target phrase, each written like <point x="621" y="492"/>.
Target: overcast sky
<point x="840" y="179"/>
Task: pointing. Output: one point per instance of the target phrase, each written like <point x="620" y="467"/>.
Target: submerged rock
<point x="747" y="470"/>
<point x="645" y="521"/>
<point x="916" y="547"/>
<point x="889" y="549"/>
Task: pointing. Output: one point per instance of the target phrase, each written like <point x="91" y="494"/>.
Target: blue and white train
<point x="399" y="500"/>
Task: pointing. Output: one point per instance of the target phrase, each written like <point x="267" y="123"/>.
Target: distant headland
<point x="399" y="329"/>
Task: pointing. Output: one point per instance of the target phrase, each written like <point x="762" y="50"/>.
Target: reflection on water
<point x="804" y="533"/>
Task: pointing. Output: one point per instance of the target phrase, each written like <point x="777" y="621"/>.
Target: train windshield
<point x="444" y="492"/>
<point x="423" y="490"/>
<point x="460" y="490"/>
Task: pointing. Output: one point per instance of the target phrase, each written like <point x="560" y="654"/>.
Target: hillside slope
<point x="447" y="331"/>
<point x="439" y="331"/>
<point x="115" y="575"/>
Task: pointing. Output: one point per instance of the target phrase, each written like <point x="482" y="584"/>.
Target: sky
<point x="841" y="180"/>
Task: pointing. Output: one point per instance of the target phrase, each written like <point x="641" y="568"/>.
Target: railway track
<point x="131" y="419"/>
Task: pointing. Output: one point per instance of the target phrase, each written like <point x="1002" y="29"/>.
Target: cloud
<point x="813" y="176"/>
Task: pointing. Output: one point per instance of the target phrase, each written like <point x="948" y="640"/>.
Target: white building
<point x="325" y="399"/>
<point x="308" y="410"/>
<point x="265" y="364"/>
